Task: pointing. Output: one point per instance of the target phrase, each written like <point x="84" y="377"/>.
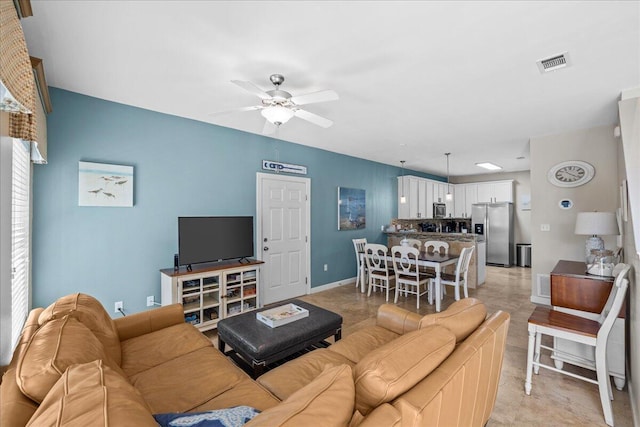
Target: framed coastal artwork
<point x="102" y="184"/>
<point x="352" y="209"/>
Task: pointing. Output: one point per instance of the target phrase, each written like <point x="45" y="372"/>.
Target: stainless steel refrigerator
<point x="494" y="223"/>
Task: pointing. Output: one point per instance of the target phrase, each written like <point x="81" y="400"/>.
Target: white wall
<point x="596" y="146"/>
<point x="522" y="187"/>
<point x="629" y="162"/>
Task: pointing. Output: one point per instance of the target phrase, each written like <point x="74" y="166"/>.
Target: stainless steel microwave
<point x="439" y="210"/>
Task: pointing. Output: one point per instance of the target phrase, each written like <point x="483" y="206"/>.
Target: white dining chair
<point x="378" y="268"/>
<point x="358" y="246"/>
<point x="409" y="281"/>
<point x="594" y="333"/>
<point x="414" y="243"/>
<point x="436" y="246"/>
<point x="458" y="278"/>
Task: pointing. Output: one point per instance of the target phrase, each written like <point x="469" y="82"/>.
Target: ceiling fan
<point x="278" y="106"/>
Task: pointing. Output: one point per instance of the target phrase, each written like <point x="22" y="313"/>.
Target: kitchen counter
<point x="425" y="235"/>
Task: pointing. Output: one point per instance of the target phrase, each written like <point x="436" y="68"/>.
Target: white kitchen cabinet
<point x="403" y="190"/>
<point x="465" y="195"/>
<point x="414" y="197"/>
<point x="459" y="201"/>
<point x="422" y="199"/>
<point x="495" y="191"/>
<point x="420" y="194"/>
<point x="470" y="198"/>
<point x="429" y="198"/>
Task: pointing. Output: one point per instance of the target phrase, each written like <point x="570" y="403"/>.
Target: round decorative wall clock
<point x="572" y="173"/>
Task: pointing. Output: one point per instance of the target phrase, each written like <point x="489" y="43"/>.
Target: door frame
<point x="260" y="176"/>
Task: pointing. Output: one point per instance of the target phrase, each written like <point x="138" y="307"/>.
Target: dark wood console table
<point x="572" y="287"/>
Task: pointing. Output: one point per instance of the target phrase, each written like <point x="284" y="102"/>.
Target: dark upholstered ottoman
<point x="259" y="345"/>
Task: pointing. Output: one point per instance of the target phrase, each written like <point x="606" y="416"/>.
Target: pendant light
<point x="402" y="198"/>
<point x="448" y="197"/>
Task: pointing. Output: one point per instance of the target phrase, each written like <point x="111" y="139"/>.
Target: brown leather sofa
<point x="74" y="365"/>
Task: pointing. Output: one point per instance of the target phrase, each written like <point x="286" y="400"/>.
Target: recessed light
<point x="489" y="166"/>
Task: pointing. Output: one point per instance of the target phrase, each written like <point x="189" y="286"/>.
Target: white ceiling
<point x="415" y="79"/>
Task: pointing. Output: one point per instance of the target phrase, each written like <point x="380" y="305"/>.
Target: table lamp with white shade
<point x="594" y="224"/>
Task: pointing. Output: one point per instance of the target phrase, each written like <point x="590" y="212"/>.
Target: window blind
<point x="20" y="225"/>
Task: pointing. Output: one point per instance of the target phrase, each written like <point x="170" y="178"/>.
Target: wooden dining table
<point x="426" y="259"/>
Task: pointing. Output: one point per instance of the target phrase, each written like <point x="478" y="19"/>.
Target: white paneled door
<point x="283" y="236"/>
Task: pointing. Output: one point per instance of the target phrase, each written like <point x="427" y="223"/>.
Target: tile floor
<point x="556" y="400"/>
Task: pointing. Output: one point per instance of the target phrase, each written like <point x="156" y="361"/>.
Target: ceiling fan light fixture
<point x="277" y="114"/>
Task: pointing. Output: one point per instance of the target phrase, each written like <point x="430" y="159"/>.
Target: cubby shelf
<point x="212" y="291"/>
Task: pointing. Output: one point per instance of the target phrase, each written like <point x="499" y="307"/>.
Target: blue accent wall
<point x="182" y="167"/>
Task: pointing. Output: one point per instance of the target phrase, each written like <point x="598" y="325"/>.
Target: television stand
<point x="214" y="291"/>
<point x="189" y="267"/>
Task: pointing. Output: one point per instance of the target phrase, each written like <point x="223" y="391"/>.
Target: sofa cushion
<point x="235" y="416"/>
<point x="92" y="394"/>
<point x="54" y="347"/>
<point x="152" y="349"/>
<point x="360" y="343"/>
<point x="384" y="415"/>
<point x="182" y="384"/>
<point x="247" y="390"/>
<point x="91" y="314"/>
<point x="392" y="369"/>
<point x="462" y="317"/>
<point x="286" y="379"/>
<point x="328" y="400"/>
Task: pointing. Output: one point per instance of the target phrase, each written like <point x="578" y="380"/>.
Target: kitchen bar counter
<point x="456" y="241"/>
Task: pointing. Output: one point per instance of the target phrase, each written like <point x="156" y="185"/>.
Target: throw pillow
<point x="462" y="317"/>
<point x="230" y="417"/>
<point x="394" y="368"/>
<point x="92" y="394"/>
<point x="327" y="400"/>
<point x="90" y="312"/>
<point x="54" y="347"/>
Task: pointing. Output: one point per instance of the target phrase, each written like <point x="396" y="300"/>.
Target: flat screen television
<point x="214" y="238"/>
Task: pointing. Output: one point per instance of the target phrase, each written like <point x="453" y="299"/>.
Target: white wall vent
<point x="554" y="63"/>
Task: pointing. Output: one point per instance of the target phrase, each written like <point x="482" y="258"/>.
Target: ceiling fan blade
<point x="250" y="87"/>
<point x="269" y="128"/>
<point x="313" y="118"/>
<point x="309" y="98"/>
<point x="237" y="110"/>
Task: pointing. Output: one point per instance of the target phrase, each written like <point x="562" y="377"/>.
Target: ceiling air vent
<point x="554" y="63"/>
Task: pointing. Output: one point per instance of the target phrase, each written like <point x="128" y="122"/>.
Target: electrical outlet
<point x="118" y="306"/>
<point x="545" y="227"/>
<point x="326" y="267"/>
<point x="382" y="228"/>
<point x="150" y="301"/>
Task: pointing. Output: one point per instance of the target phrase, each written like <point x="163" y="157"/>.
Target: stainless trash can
<point x="523" y="254"/>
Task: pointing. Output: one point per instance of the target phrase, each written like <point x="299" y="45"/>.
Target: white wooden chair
<point x="436" y="246"/>
<point x="457" y="279"/>
<point x="432" y="246"/>
<point x="408" y="278"/>
<point x="358" y="245"/>
<point x="414" y="243"/>
<point x="546" y="321"/>
<point x="378" y="268"/>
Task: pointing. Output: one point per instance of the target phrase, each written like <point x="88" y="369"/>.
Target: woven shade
<point x="16" y="75"/>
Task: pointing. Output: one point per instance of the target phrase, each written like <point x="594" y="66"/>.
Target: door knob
<point x="266" y="248"/>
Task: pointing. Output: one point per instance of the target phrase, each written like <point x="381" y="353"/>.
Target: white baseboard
<point x="351" y="281"/>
